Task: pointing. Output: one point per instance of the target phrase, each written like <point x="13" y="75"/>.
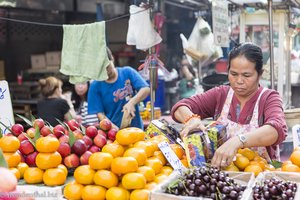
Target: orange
<point x="148" y="173"/>
<point x="133" y="181"/>
<point x="9" y="144"/>
<point x="258" y="162"/>
<point x="73" y="190"/>
<point x="155" y="164"/>
<point x="151" y="185"/>
<point x="16" y="172"/>
<point x="129" y="135"/>
<point x="93" y="192"/>
<point x="47" y="144"/>
<point x="269" y="167"/>
<point x="48" y="160"/>
<point x="286" y="162"/>
<point x="33" y="175"/>
<point x="232" y="168"/>
<point x="147" y="146"/>
<point x="123" y="165"/>
<point x="12" y="159"/>
<point x="155" y="144"/>
<point x="241" y="161"/>
<point x="100" y="160"/>
<point x="137" y="153"/>
<point x="178" y="150"/>
<point x="160" y="178"/>
<point x="22" y="167"/>
<point x="167" y="170"/>
<point x="160" y="156"/>
<point x="248" y="153"/>
<point x="184" y="162"/>
<point x="84" y="174"/>
<point x="295" y="158"/>
<point x="105" y="178"/>
<point x="256" y="169"/>
<point x="141" y="194"/>
<point x="54" y="177"/>
<point x="160" y="138"/>
<point x="117" y="193"/>
<point x="64" y="168"/>
<point x="290" y="168"/>
<point x="115" y="149"/>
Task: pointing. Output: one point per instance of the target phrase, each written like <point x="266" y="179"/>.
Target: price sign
<point x="296" y="135"/>
<point x="220" y="22"/>
<point x="6" y="113"/>
<point x="171" y="156"/>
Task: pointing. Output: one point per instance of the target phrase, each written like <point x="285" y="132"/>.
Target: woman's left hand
<point x="226" y="152"/>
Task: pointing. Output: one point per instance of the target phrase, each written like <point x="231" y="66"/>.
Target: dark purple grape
<point x="188" y="181"/>
<point x="289" y="193"/>
<point x="213" y="188"/>
<point x="273" y="190"/>
<point x="267" y="194"/>
<point x="213" y="195"/>
<point x="215" y="176"/>
<point x="190" y="176"/>
<point x="202" y="189"/>
<point x="192" y="186"/>
<point x="213" y="181"/>
<point x="233" y="194"/>
<point x="225" y="190"/>
<point x="284" y="196"/>
<point x="197" y="182"/>
<point x="206" y="178"/>
<point x="220" y="185"/>
<point x="256" y="196"/>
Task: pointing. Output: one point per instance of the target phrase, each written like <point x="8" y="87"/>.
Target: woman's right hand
<point x="194" y="124"/>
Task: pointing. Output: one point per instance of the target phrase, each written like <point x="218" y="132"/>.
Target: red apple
<point x="84" y="158"/>
<point x="45" y="131"/>
<point x="91" y="131"/>
<point x="78" y="134"/>
<point x="26" y="147"/>
<point x="100" y="140"/>
<point x="58" y="130"/>
<point x="79" y="147"/>
<point x="102" y="133"/>
<point x="94" y="149"/>
<point x="30" y="159"/>
<point x="31" y="132"/>
<point x="88" y="141"/>
<point x="17" y="129"/>
<point x="38" y="122"/>
<point x="111" y="134"/>
<point x="64" y="139"/>
<point x="22" y="137"/>
<point x="64" y="149"/>
<point x="105" y="124"/>
<point x="71" y="161"/>
<point x="73" y="124"/>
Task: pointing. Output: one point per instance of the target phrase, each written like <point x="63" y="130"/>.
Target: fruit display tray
<point x="284" y="176"/>
<point x="242" y="178"/>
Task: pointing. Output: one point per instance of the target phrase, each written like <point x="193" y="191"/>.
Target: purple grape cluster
<point x="274" y="189"/>
<point x="208" y="182"/>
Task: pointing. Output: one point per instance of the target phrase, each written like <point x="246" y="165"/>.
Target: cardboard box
<point x="53" y="58"/>
<point x="2" y="69"/>
<point x="38" y="61"/>
<point x="242" y="178"/>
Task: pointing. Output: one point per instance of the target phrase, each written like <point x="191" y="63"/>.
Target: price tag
<point x="6" y="114"/>
<point x="171" y="156"/>
<point x="296" y="135"/>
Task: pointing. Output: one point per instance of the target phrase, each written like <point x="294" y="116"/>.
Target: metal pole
<point x="271" y="44"/>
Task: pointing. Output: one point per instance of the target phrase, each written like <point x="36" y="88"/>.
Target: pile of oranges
<point x="249" y="161"/>
<point x="128" y="168"/>
<point x="293" y="163"/>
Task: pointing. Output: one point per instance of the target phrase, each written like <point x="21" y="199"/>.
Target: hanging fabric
<point x="140" y="30"/>
<point x="84" y="54"/>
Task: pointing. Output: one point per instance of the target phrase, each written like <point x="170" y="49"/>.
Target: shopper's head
<point x="50" y="86"/>
<point x="111" y="70"/>
<point x="81" y="89"/>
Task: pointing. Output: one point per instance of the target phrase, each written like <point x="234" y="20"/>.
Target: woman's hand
<point x="224" y="154"/>
<point x="129" y="107"/>
<point x="194" y="124"/>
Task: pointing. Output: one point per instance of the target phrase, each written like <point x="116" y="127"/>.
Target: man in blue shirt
<point x="120" y="93"/>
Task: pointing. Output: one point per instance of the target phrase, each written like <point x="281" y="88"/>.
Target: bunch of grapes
<point x="274" y="189"/>
<point x="206" y="182"/>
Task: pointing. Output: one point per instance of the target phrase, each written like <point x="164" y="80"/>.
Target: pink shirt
<point x="210" y="104"/>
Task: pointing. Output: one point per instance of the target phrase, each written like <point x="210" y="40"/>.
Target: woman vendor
<point x="253" y="114"/>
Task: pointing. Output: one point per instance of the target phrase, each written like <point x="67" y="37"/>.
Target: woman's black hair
<point x="251" y="51"/>
<point x="75" y="98"/>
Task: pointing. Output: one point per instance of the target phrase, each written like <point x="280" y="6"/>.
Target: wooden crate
<point x="27" y="90"/>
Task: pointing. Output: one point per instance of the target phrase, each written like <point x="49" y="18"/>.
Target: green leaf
<point x="32" y="117"/>
<point x="30" y="140"/>
<point x="82" y="129"/>
<point x="1" y="133"/>
<point x="37" y="133"/>
<point x="25" y="119"/>
<point x="3" y="162"/>
<point x="276" y="163"/>
<point x="72" y="138"/>
<point x="5" y="127"/>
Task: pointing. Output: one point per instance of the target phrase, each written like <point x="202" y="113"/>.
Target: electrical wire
<point x="60" y="25"/>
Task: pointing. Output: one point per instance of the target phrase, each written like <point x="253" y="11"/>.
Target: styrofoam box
<point x="53" y="58"/>
<point x="38" y="61"/>
<point x="242" y="178"/>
